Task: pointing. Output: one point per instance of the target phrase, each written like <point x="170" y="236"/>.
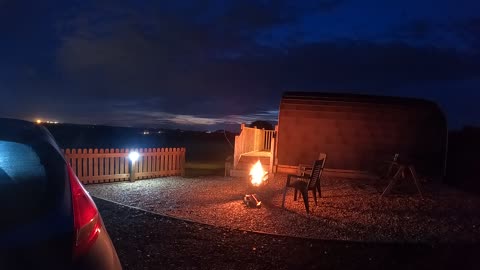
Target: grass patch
<point x="214" y="165"/>
<point x="195" y="169"/>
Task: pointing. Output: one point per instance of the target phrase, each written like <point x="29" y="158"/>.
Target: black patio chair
<point x="306" y="170"/>
<point x="305" y="183"/>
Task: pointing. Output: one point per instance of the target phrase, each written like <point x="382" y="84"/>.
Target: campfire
<point x="258" y="177"/>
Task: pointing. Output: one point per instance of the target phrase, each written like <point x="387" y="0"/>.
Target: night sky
<point x="210" y="64"/>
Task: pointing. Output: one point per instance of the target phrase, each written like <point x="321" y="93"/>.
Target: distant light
<point x="56" y="122"/>
<point x="38" y="121"/>
<point x="133" y="156"/>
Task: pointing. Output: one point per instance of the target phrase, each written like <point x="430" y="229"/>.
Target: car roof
<point x="26" y="132"/>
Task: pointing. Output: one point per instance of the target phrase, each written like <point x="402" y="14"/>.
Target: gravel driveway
<point x="349" y="209"/>
<point x="149" y="241"/>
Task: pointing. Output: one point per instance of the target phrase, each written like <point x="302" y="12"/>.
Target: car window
<point x="32" y="178"/>
<point x="20" y="164"/>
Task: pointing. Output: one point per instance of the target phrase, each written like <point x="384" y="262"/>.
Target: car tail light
<point x="87" y="223"/>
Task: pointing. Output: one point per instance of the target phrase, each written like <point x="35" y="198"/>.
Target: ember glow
<point x="257" y="174"/>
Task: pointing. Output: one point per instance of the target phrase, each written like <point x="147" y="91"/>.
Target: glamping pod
<point x="357" y="132"/>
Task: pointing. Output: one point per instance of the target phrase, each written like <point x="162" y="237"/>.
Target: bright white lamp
<point x="133" y="156"/>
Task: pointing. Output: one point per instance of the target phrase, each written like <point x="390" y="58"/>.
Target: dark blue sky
<point x="210" y="64"/>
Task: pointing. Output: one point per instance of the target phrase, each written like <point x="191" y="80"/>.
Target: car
<point x="48" y="220"/>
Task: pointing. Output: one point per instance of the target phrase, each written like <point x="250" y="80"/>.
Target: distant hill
<point x="200" y="145"/>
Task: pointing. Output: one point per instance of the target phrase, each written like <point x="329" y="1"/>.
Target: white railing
<point x="253" y="140"/>
<point x="268" y="136"/>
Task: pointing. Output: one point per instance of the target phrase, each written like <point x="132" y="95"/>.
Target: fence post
<point x="182" y="161"/>
<point x="133" y="169"/>
<point x="133" y="158"/>
<point x="255" y="139"/>
<point x="85" y="165"/>
<point x="74" y="161"/>
<point x="272" y="154"/>
<point x="236" y="150"/>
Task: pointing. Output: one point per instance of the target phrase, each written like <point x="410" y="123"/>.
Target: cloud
<point x="209" y="53"/>
<point x="177" y="70"/>
<point x="151" y="118"/>
<point x="469" y="30"/>
<point x="187" y="120"/>
<point x="215" y="62"/>
<point x="461" y="34"/>
<point x="252" y="15"/>
<point x="419" y="29"/>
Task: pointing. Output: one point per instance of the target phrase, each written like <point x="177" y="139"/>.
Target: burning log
<point x="258" y="177"/>
<point x="251" y="201"/>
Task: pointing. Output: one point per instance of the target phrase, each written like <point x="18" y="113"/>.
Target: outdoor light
<point x="133" y="156"/>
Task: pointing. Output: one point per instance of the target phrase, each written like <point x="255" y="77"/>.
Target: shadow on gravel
<point x="148" y="241"/>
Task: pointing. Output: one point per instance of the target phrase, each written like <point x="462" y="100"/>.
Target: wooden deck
<point x="251" y="145"/>
<point x="247" y="160"/>
<point x="258" y="154"/>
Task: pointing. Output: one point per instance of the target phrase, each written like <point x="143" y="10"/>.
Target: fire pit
<point x="258" y="177"/>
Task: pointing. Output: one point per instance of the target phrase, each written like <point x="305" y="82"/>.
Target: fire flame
<point x="258" y="174"/>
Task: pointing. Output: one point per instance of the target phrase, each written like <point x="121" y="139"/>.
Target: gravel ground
<point x="349" y="209"/>
<point x="148" y="241"/>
